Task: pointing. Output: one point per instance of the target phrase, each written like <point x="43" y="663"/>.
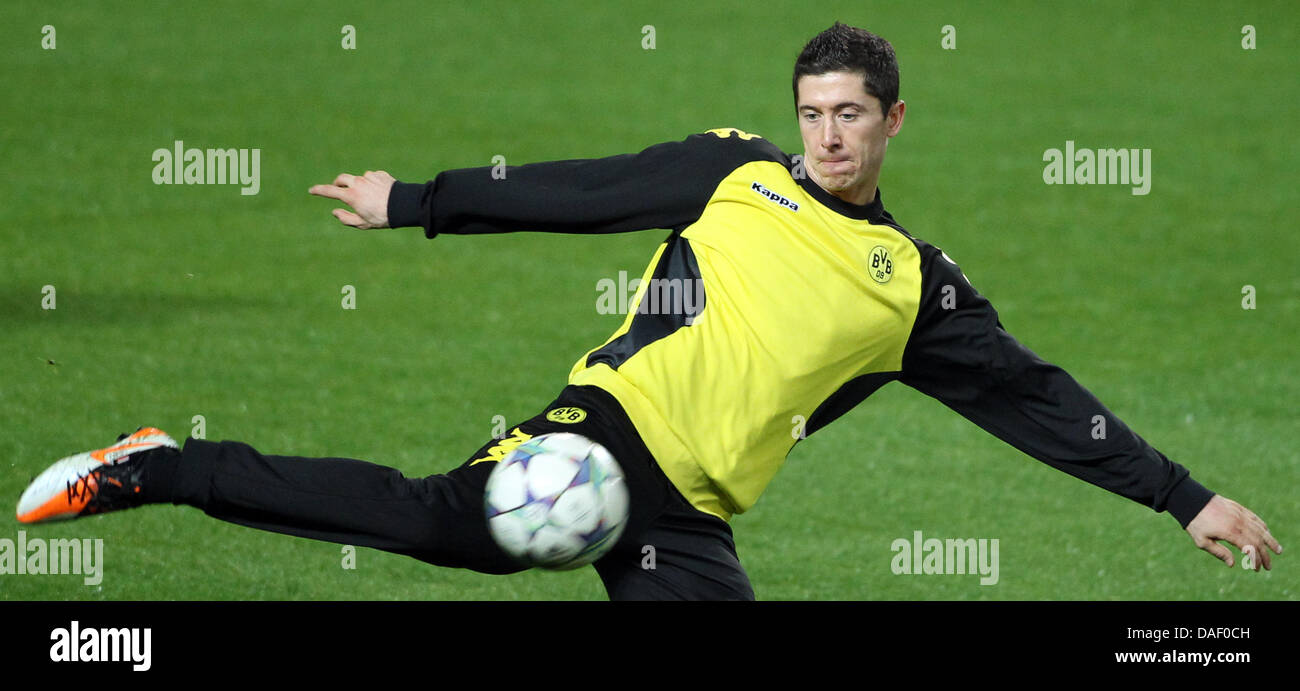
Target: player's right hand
<point x="366" y="194"/>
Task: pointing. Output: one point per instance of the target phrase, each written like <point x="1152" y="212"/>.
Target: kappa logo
<point x="498" y="452"/>
<point x="774" y="197"/>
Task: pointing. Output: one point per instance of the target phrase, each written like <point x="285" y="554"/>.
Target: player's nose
<point x="830" y="137"/>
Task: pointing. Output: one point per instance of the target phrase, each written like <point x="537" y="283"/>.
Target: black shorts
<point x="669" y="550"/>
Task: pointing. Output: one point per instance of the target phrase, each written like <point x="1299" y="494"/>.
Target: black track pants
<point x="670" y="550"/>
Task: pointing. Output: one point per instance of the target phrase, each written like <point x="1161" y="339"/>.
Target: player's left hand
<point x="1225" y="519"/>
<point x="367" y="194"/>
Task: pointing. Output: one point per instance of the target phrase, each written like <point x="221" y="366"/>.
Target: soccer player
<point x="784" y="291"/>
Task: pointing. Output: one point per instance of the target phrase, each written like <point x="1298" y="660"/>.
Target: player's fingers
<point x="1265" y="536"/>
<point x="328" y="191"/>
<point x="1250" y="558"/>
<point x="344" y="180"/>
<point x="1223" y="553"/>
<point x="1261" y="543"/>
<point x="1248" y="541"/>
<point x="349" y="218"/>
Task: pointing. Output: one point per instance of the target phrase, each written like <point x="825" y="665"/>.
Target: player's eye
<point x="849" y="116"/>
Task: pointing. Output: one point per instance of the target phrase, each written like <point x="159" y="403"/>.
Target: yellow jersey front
<point x="774" y="307"/>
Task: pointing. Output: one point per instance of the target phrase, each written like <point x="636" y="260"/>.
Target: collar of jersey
<point x="872" y="211"/>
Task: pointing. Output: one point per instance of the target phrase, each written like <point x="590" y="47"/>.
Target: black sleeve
<point x="664" y="186"/>
<point x="960" y="354"/>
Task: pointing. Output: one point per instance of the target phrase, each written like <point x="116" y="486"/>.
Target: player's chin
<point x="837" y="183"/>
<point x="839" y="178"/>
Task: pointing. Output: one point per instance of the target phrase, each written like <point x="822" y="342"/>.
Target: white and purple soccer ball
<point x="557" y="501"/>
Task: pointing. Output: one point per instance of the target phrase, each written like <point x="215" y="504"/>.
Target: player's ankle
<point x="160" y="465"/>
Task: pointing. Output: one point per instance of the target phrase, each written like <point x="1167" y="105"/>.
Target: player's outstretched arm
<point x="1225" y="519"/>
<point x="666" y="185"/>
<point x="960" y="354"/>
<point x="366" y="194"/>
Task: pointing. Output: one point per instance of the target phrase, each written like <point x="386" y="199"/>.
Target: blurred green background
<point x="177" y="301"/>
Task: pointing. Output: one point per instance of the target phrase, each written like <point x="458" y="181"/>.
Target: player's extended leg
<point x="438" y="519"/>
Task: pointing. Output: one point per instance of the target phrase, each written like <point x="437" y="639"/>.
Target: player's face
<point x="844" y="134"/>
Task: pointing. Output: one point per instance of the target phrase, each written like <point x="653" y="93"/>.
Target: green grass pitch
<point x="185" y="300"/>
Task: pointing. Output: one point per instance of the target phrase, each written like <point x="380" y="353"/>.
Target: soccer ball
<point x="557" y="501"/>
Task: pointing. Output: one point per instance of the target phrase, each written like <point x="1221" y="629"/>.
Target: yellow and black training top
<point x="774" y="307"/>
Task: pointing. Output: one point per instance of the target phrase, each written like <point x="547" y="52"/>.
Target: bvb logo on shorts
<point x="567" y="415"/>
<point x="880" y="266"/>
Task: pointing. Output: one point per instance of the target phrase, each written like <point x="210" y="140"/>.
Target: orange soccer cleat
<point x="93" y="482"/>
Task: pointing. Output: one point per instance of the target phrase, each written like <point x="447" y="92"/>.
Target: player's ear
<point x="894" y="120"/>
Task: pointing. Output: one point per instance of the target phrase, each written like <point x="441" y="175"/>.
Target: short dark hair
<point x="844" y="48"/>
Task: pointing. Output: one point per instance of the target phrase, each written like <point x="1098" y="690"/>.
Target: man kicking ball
<point x="806" y="296"/>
